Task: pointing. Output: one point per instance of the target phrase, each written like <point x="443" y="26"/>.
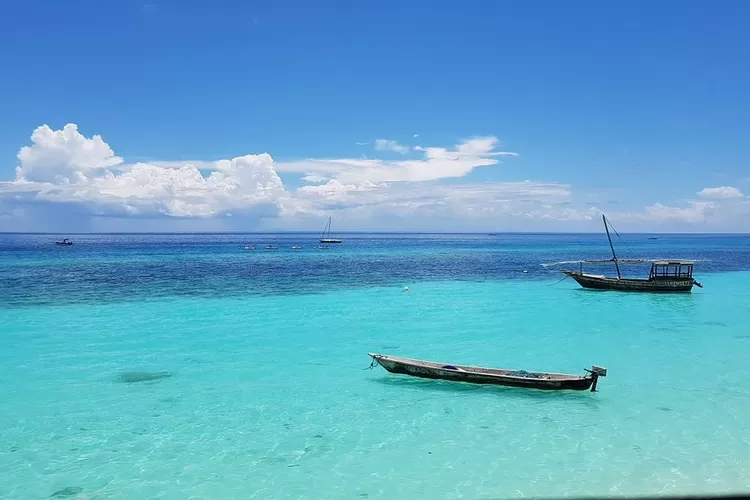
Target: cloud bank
<point x="65" y="172"/>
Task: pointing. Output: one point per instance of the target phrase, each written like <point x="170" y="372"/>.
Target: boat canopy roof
<point x="673" y="262"/>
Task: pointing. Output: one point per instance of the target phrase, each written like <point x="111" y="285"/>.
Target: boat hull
<point x="632" y="285"/>
<point x="474" y="375"/>
<point x="328" y="240"/>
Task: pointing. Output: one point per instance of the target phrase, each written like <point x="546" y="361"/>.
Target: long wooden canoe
<point x="479" y="375"/>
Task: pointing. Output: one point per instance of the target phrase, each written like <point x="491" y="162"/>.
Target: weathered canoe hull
<point x="632" y="285"/>
<point x="396" y="366"/>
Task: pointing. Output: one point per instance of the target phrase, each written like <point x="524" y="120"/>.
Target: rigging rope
<point x="613" y="229"/>
<point x="558" y="281"/>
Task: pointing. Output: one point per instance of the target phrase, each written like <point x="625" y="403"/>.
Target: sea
<point x="185" y="366"/>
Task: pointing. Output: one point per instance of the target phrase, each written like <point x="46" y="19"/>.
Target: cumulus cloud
<point x="388" y="145"/>
<point x="718" y="193"/>
<point x="84" y="173"/>
<point x="61" y="156"/>
<point x="65" y="166"/>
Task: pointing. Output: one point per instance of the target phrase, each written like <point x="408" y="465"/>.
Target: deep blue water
<point x="34" y="271"/>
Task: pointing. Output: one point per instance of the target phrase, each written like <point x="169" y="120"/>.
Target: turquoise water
<point x="261" y="387"/>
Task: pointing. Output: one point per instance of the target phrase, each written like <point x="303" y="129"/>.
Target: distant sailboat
<point x="326" y="236"/>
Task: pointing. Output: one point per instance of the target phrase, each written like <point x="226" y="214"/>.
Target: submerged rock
<point x="136" y="377"/>
<point x="67" y="492"/>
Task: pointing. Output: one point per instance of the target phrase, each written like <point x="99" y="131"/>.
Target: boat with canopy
<point x="665" y="275"/>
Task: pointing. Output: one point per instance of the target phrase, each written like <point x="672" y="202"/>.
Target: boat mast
<point x="614" y="256"/>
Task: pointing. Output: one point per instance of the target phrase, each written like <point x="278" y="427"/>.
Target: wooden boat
<point x="664" y="276"/>
<point x="64" y="241"/>
<point x="478" y="375"/>
<point x="326" y="236"/>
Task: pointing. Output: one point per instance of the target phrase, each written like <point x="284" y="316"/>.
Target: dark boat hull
<point x="632" y="285"/>
<point x="457" y="374"/>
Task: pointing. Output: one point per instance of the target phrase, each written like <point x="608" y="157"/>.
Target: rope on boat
<point x="372" y="365"/>
<point x="558" y="281"/>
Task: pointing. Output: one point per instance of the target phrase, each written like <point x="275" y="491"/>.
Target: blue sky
<point x="638" y="109"/>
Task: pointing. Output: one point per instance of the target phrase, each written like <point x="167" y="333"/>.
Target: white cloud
<point x="718" y="193"/>
<point x="695" y="212"/>
<point x="62" y="155"/>
<point x="552" y="213"/>
<point x="387" y="145"/>
<point x="437" y="199"/>
<point x="65" y="166"/>
<point x="86" y="176"/>
<point x="436" y="163"/>
<point x="723" y="208"/>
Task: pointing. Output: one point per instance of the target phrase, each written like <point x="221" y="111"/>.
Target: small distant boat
<point x="296" y="247"/>
<point x="666" y="275"/>
<point x="326" y="236"/>
<point x="272" y="247"/>
<point x="478" y="375"/>
<point x="250" y="247"/>
<point x="64" y="241"/>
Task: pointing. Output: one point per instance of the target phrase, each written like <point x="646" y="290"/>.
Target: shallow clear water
<point x="260" y="387"/>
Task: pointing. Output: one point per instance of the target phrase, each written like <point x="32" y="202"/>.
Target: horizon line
<point x="487" y="233"/>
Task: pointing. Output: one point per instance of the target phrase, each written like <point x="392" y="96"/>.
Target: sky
<point x="184" y="115"/>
